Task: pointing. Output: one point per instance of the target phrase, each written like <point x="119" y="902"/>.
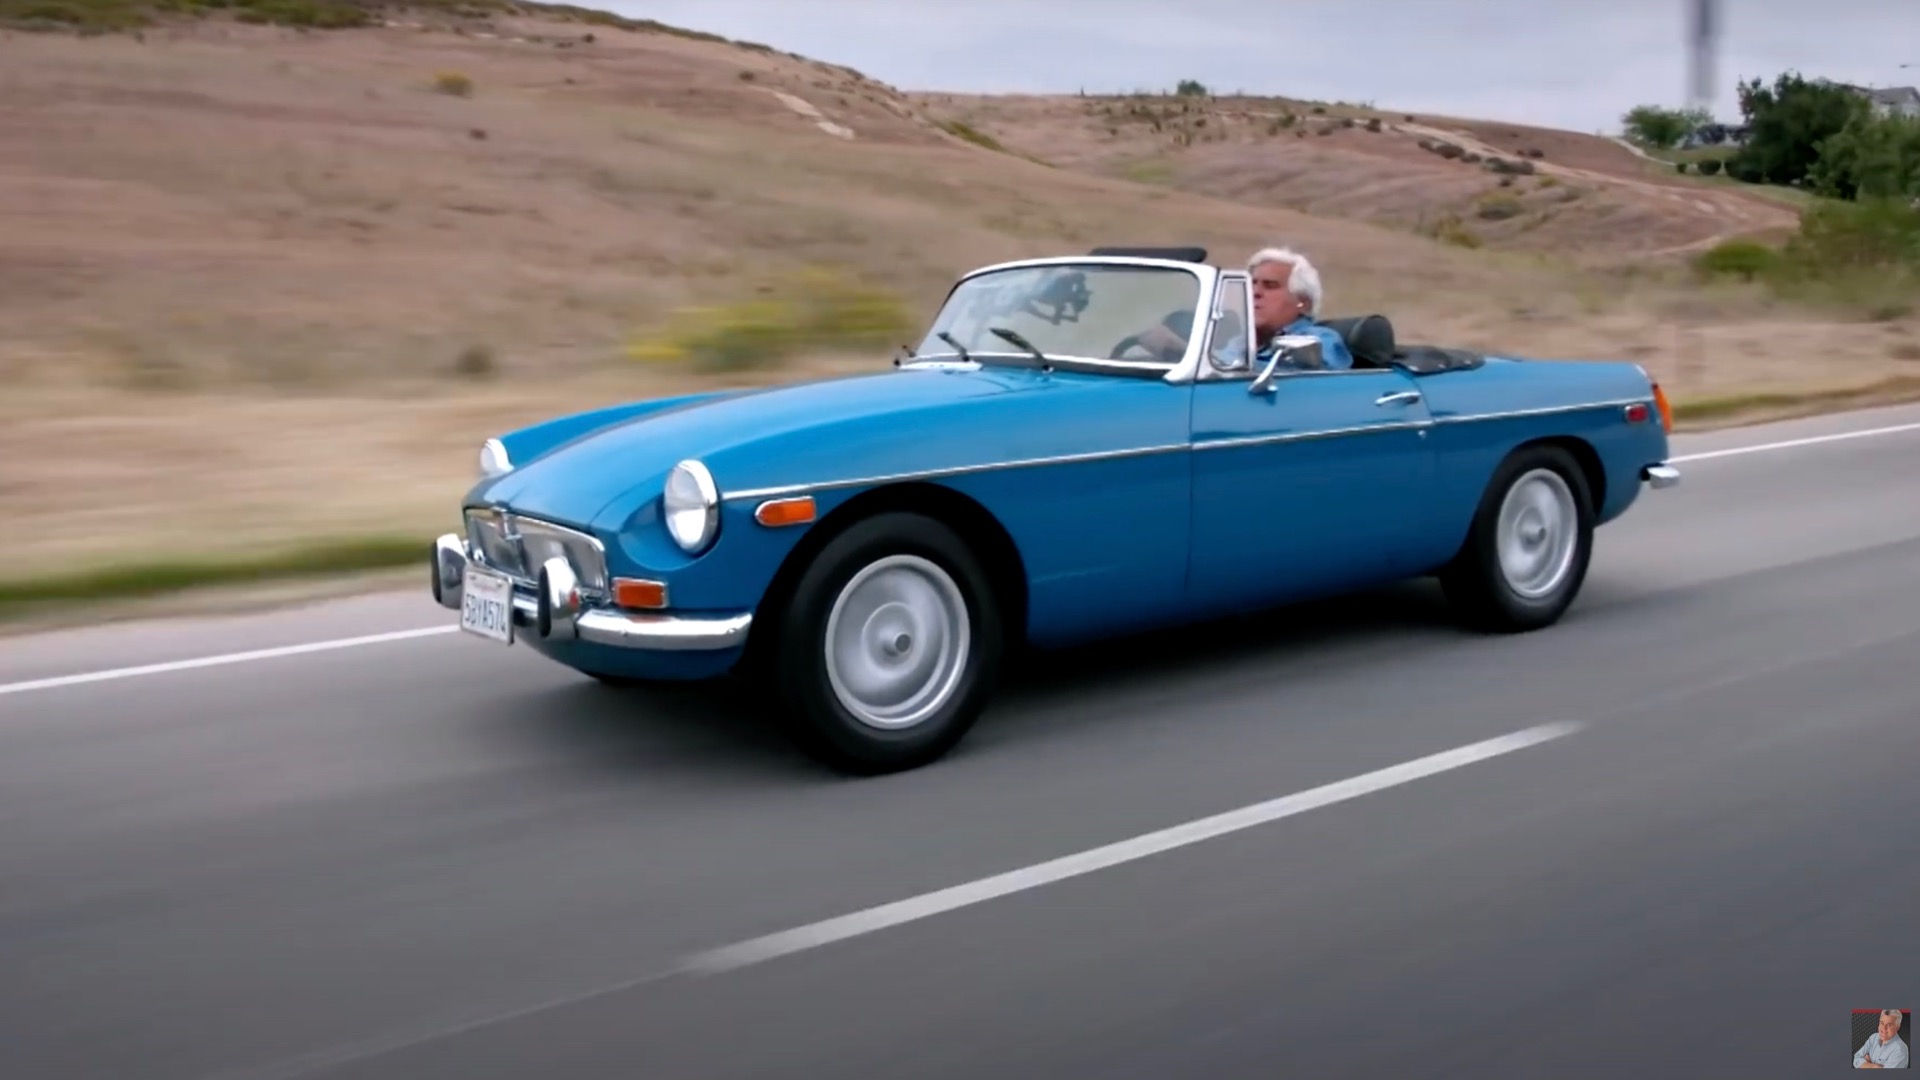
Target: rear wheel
<point x="1527" y="553"/>
<point x="890" y="646"/>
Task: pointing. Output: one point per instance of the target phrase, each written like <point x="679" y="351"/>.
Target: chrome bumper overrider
<point x="1660" y="476"/>
<point x="553" y="609"/>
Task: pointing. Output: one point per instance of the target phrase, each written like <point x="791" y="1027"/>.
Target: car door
<point x="1309" y="483"/>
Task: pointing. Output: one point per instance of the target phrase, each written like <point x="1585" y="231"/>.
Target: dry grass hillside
<point x="262" y="283"/>
<point x="1471" y="183"/>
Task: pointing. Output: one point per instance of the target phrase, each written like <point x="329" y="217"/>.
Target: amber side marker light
<point x="636" y="593"/>
<point x="776" y="512"/>
<point x="1666" y="409"/>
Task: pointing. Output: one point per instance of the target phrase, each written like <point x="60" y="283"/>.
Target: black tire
<point x="1475" y="582"/>
<point x="818" y="721"/>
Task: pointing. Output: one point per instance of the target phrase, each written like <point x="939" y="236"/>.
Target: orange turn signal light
<point x="1666" y="409"/>
<point x="639" y="593"/>
<point x="777" y="512"/>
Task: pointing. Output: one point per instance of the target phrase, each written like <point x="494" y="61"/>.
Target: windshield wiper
<point x="1016" y="338"/>
<point x="957" y="347"/>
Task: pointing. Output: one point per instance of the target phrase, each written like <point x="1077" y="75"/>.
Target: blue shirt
<point x="1889" y="1055"/>
<point x="1334" y="354"/>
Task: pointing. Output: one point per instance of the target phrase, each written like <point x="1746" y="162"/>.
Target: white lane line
<point x="767" y="948"/>
<point x="1811" y="440"/>
<point x="216" y="661"/>
<point x="772" y="946"/>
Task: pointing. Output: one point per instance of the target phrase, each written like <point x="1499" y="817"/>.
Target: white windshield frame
<point x="1183" y="370"/>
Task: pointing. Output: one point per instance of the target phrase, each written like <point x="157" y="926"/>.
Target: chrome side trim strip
<point x="956" y="470"/>
<point x="1236" y="441"/>
<point x="1550" y="410"/>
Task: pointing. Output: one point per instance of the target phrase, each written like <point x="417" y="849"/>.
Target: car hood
<point x="836" y="418"/>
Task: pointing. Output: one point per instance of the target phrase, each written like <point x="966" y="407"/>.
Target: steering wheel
<point x="1180" y="322"/>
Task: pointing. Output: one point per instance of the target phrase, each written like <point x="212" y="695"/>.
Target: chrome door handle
<point x="1402" y="397"/>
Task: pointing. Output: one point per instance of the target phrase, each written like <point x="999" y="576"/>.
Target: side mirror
<point x="1298" y="350"/>
<point x="1263" y="383"/>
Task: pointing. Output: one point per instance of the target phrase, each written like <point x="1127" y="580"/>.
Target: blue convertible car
<point x="869" y="548"/>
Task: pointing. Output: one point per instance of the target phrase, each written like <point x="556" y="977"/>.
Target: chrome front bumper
<point x="554" y="609"/>
<point x="1660" y="476"/>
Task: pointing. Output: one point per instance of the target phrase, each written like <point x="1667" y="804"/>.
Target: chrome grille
<point x="516" y="546"/>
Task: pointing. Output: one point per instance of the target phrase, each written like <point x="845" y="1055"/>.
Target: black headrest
<point x="1177" y="254"/>
<point x="1368" y="337"/>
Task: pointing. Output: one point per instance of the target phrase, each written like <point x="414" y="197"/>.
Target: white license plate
<point x="486" y="605"/>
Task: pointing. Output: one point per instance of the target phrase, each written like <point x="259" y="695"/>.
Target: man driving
<point x="1286" y="300"/>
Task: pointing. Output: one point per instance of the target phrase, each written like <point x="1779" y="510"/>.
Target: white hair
<point x="1303" y="283"/>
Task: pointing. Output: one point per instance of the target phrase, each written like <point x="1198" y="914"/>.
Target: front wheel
<point x="890" y="646"/>
<point x="1527" y="552"/>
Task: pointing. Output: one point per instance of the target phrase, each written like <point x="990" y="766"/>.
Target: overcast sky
<point x="1575" y="64"/>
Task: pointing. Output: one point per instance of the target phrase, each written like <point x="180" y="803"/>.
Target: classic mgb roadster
<point x="867" y="549"/>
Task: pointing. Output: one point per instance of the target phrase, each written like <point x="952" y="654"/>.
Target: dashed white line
<point x="1810" y="440"/>
<point x="762" y="949"/>
<point x="772" y="946"/>
<point x="58" y="681"/>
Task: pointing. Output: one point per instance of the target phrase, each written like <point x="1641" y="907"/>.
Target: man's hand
<point x="1162" y="340"/>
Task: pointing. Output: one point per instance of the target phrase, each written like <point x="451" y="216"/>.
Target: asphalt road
<point x="1686" y="847"/>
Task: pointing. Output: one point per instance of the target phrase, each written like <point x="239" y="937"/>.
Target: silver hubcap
<point x="897" y="641"/>
<point x="1537" y="533"/>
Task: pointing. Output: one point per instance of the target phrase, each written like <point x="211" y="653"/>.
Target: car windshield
<point x="1069" y="311"/>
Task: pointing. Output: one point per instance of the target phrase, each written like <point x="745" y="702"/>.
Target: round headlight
<point x="493" y="459"/>
<point x="692" y="505"/>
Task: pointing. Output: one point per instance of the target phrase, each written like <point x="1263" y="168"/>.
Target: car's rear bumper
<point x="1660" y="475"/>
<point x="550" y="620"/>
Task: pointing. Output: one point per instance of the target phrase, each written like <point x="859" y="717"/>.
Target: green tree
<point x="1787" y="123"/>
<point x="1191" y="88"/>
<point x="1872" y="157"/>
<point x="1660" y="127"/>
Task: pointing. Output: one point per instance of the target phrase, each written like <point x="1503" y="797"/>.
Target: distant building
<point x="1889" y="100"/>
<point x="1901" y="101"/>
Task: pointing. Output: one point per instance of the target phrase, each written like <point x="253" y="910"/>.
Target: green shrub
<point x="1860" y="257"/>
<point x="1870" y="234"/>
<point x="313" y="14"/>
<point x="1710" y="167"/>
<point x="973" y="135"/>
<point x="1744" y="259"/>
<point x="1450" y="230"/>
<point x="1500" y="207"/>
<point x="817" y="310"/>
